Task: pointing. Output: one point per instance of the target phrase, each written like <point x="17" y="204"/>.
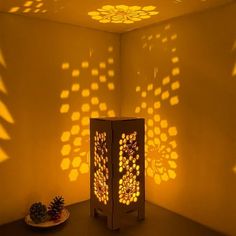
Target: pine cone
<point x="38" y="212"/>
<point x="55" y="208"/>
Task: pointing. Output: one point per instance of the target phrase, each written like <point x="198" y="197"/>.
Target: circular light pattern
<point x="129" y="186"/>
<point x="122" y="14"/>
<point x="101" y="174"/>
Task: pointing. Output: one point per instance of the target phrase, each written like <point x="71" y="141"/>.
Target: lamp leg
<point x="141" y="212"/>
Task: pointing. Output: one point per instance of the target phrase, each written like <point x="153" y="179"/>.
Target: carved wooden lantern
<point x="117" y="184"/>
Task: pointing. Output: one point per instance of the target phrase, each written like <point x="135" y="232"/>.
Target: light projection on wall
<point x="122" y="13"/>
<point x="101" y="174"/>
<point x="129" y="186"/>
<point x="5" y="115"/>
<point x="84" y="97"/>
<point x="29" y="6"/>
<point x="160" y="138"/>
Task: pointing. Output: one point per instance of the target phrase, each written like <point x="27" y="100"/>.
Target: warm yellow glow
<point x="91" y="78"/>
<point x="3" y="155"/>
<point x="111" y="86"/>
<point x="102" y="78"/>
<point x="129" y="186"/>
<point x="76" y="162"/>
<point x="65" y="94"/>
<point x="84" y="168"/>
<point x="75" y="87"/>
<point x="73" y="174"/>
<point x="75" y="73"/>
<point x="14" y="9"/>
<point x="85" y="64"/>
<point x="101" y="175"/>
<point x="85" y="107"/>
<point x="64" y="108"/>
<point x="85" y="93"/>
<point x="65" y="66"/>
<point x="122" y="14"/>
<point x="75" y="129"/>
<point x="94" y="86"/>
<point x="65" y="164"/>
<point x="65" y="136"/>
<point x="66" y="150"/>
<point x="75" y="116"/>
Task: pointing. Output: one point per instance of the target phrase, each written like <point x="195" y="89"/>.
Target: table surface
<point x="159" y="221"/>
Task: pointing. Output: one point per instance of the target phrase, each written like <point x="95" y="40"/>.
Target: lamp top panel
<point x="113" y="16"/>
<point x="117" y="118"/>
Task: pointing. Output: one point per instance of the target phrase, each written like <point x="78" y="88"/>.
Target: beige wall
<point x="33" y="76"/>
<point x="178" y="75"/>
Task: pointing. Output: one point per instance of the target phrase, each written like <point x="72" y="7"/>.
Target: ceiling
<point x="108" y="15"/>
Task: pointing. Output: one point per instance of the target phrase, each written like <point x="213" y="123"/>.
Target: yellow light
<point x="111" y="86"/>
<point x="85" y="93"/>
<point x="28" y="3"/>
<point x="75" y="116"/>
<point x="85" y="64"/>
<point x="164" y="124"/>
<point x="65" y="94"/>
<point x="65" y="136"/>
<point x="2" y="86"/>
<point x="157" y="91"/>
<point x="175" y="85"/>
<point x="64" y="108"/>
<point x="3" y="155"/>
<point x="76" y="162"/>
<point x="94" y="72"/>
<point x="3" y="133"/>
<point x="65" y="66"/>
<point x="122" y="14"/>
<point x="166" y="80"/>
<point x="94" y="100"/>
<point x="73" y="175"/>
<point x="75" y="73"/>
<point x="165" y="95"/>
<point x="85" y="107"/>
<point x="84" y="168"/>
<point x="176" y="71"/>
<point x="65" y="164"/>
<point x="75" y="129"/>
<point x="172" y="131"/>
<point x="174" y="100"/>
<point x="102" y="65"/>
<point x="75" y="87"/>
<point x="78" y="141"/>
<point x="85" y="121"/>
<point x="94" y="86"/>
<point x="103" y="106"/>
<point x="66" y="150"/>
<point x="110" y="60"/>
<point x="14" y="9"/>
<point x="102" y="78"/>
<point x="111" y="73"/>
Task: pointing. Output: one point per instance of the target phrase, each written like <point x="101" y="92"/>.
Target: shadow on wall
<point x="159" y="90"/>
<point x="6" y="118"/>
<point x="75" y="139"/>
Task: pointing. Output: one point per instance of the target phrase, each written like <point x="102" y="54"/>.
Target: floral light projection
<point x="129" y="186"/>
<point x="90" y="103"/>
<point x="29" y="6"/>
<point x="161" y="154"/>
<point x="5" y="115"/>
<point x="122" y="14"/>
<point x="101" y="174"/>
